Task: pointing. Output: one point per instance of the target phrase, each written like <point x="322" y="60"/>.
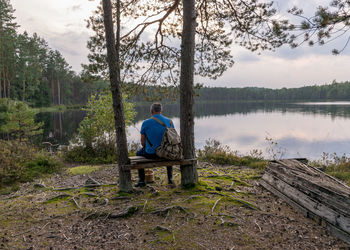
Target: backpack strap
<point x="149" y="142"/>
<point x="162" y="123"/>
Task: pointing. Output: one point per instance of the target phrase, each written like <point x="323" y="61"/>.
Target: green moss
<point x="83" y="170"/>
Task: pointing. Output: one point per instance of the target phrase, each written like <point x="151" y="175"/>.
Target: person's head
<point x="156" y="108"/>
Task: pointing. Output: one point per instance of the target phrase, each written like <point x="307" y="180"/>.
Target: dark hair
<point x="156" y="107"/>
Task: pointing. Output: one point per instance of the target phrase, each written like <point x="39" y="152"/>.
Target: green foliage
<point x="95" y="142"/>
<point x="22" y="162"/>
<point x="41" y="164"/>
<point x="333" y="91"/>
<point x="3" y="112"/>
<point x="214" y="152"/>
<point x="327" y="24"/>
<point x="20" y="122"/>
<point x="337" y="166"/>
<point x="253" y="25"/>
<point x="31" y="71"/>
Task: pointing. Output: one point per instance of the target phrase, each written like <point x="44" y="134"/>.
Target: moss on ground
<point x="87" y="169"/>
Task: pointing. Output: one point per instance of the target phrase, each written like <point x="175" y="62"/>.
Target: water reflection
<point x="218" y="109"/>
<point x="59" y="127"/>
<point x="302" y="130"/>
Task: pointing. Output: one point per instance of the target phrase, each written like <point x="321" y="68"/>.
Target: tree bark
<point x="113" y="49"/>
<point x="23" y="89"/>
<point x="189" y="175"/>
<point x="58" y="92"/>
<point x="52" y="89"/>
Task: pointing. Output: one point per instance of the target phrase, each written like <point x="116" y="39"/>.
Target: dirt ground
<point x="227" y="210"/>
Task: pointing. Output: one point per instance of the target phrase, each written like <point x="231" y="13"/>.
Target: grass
<point x="334" y="165"/>
<point x="87" y="169"/>
<point x="216" y="153"/>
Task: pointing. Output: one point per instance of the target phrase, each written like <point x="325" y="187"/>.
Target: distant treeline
<point x="334" y="91"/>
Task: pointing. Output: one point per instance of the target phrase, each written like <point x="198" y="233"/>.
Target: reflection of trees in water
<point x="219" y="109"/>
<point x="59" y="127"/>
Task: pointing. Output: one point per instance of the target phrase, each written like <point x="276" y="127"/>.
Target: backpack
<point x="170" y="148"/>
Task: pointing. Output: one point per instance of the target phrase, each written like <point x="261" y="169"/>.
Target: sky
<point x="62" y="24"/>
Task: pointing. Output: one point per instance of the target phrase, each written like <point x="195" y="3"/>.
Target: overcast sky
<point x="62" y="24"/>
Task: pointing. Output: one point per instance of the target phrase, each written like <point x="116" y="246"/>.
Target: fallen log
<point x="313" y="192"/>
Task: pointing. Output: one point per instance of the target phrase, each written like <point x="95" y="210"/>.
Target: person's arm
<point x="143" y="140"/>
<point x="143" y="135"/>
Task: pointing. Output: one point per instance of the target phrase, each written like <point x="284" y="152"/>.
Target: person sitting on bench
<point x="151" y="137"/>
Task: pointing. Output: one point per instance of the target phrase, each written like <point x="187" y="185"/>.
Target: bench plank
<point x="139" y="162"/>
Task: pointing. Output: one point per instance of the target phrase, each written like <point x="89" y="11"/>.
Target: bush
<point x="22" y="162"/>
<point x="214" y="152"/>
<point x="18" y="120"/>
<point x="95" y="142"/>
<point x="337" y="166"/>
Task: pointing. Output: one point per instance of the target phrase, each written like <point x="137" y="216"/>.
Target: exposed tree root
<point x="165" y="210"/>
<point x="121" y="198"/>
<point x="161" y="228"/>
<point x="243" y="202"/>
<point x="216" y="202"/>
<point x="227" y="223"/>
<point x="125" y="213"/>
<point x="75" y="203"/>
<point x="58" y="197"/>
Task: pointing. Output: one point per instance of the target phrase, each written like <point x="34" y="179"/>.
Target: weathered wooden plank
<point x="312" y="174"/>
<point x="333" y="217"/>
<point x="339" y="233"/>
<point x="321" y="181"/>
<point x="139" y="163"/>
<point x="319" y="193"/>
<point x="333" y="229"/>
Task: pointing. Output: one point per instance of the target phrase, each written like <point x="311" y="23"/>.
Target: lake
<point x="299" y="129"/>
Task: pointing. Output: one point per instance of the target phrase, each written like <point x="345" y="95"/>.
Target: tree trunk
<point x="113" y="59"/>
<point x="8" y="89"/>
<point x="52" y="89"/>
<point x="58" y="92"/>
<point x="189" y="175"/>
<point x="23" y="89"/>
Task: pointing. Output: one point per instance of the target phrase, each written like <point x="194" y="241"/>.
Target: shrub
<point x="214" y="152"/>
<point x="22" y="162"/>
<point x="95" y="142"/>
<point x="337" y="166"/>
<point x="18" y="119"/>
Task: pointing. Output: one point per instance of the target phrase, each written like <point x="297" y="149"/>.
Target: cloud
<point x="72" y="45"/>
<point x="76" y="7"/>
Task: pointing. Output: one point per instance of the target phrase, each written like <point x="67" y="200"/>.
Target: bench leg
<point x="142" y="177"/>
<point x="169" y="170"/>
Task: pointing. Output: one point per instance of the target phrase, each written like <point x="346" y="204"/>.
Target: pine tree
<point x="7" y="47"/>
<point x="327" y="24"/>
<point x="150" y="49"/>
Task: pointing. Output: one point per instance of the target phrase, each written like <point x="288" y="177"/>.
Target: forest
<point x="32" y="72"/>
<point x="334" y="91"/>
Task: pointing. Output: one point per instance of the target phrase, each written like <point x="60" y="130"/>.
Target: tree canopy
<point x="327" y="24"/>
<point x="151" y="35"/>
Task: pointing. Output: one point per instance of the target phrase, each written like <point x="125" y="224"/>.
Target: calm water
<point x="300" y="129"/>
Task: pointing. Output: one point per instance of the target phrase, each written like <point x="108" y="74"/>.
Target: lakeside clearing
<point x="227" y="209"/>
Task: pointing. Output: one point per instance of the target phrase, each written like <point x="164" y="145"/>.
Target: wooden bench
<point x="138" y="162"/>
